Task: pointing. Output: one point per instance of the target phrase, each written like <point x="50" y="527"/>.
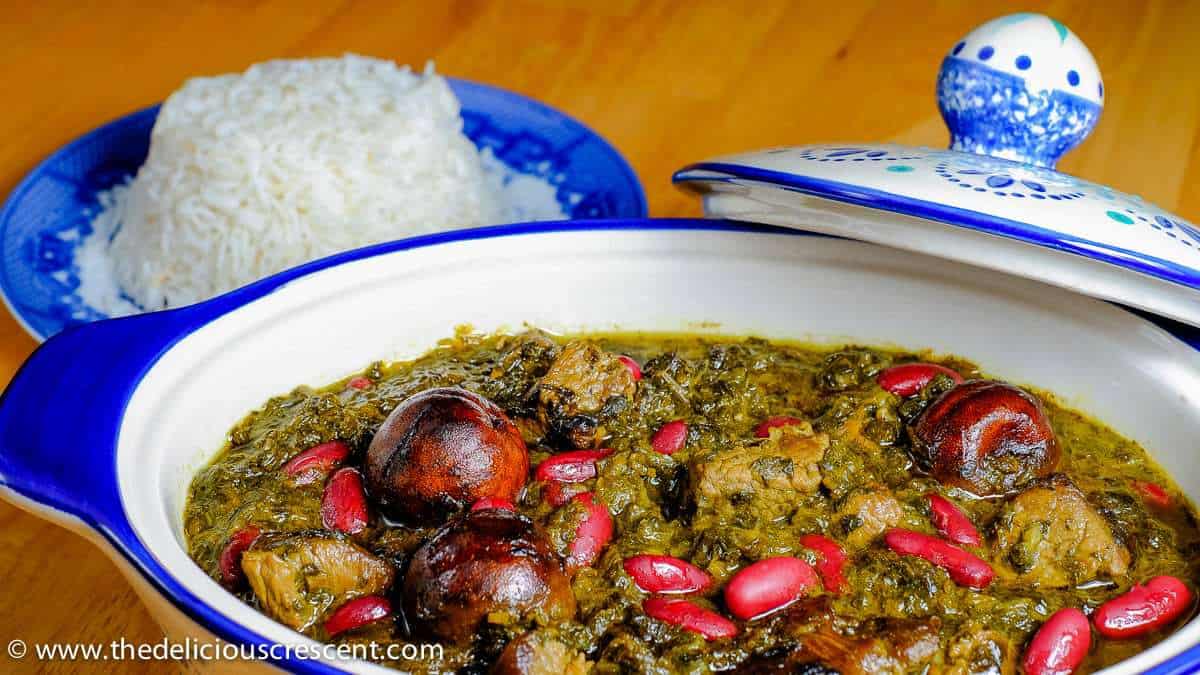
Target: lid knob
<point x="1021" y="87"/>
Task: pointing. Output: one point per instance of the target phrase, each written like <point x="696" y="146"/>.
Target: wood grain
<point x="667" y="82"/>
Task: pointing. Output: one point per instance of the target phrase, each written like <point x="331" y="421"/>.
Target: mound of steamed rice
<point x="290" y="161"/>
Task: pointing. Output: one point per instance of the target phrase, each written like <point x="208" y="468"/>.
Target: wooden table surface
<point x="666" y="82"/>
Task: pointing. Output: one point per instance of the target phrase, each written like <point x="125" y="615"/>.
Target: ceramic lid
<point x="1016" y="93"/>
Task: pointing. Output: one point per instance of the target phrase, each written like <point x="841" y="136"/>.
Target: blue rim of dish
<point x="176" y="325"/>
<point x="631" y="186"/>
<point x="638" y="190"/>
<point x="695" y="176"/>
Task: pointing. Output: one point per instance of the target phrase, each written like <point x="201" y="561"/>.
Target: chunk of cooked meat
<point x="536" y="653"/>
<point x="870" y="424"/>
<point x="896" y="646"/>
<point x="863" y="429"/>
<point x="977" y="650"/>
<point x="584" y="385"/>
<point x="913" y="642"/>
<point x="852" y="656"/>
<point x="867" y="513"/>
<point x="1050" y="536"/>
<point x="514" y="376"/>
<point x="782" y="663"/>
<point x="770" y="473"/>
<point x="900" y="646"/>
<point x="297" y="578"/>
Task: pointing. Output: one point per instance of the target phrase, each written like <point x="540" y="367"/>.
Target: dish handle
<point x="61" y="414"/>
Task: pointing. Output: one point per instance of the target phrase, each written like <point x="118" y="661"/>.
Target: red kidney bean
<point x="664" y="574"/>
<point x="951" y="522"/>
<point x="344" y="504"/>
<point x="763" y="430"/>
<point x="831" y="561"/>
<point x="358" y="613"/>
<point x="964" y="568"/>
<point x="493" y="503"/>
<point x="230" y="562"/>
<point x="768" y="585"/>
<point x="1143" y="608"/>
<point x="907" y="379"/>
<point x="557" y="493"/>
<point x="670" y="437"/>
<point x="359" y="382"/>
<point x="316" y="461"/>
<point x="1153" y="493"/>
<point x="1060" y="645"/>
<point x="689" y="616"/>
<point x="575" y="466"/>
<point x="634" y="368"/>
<point x="591" y="535"/>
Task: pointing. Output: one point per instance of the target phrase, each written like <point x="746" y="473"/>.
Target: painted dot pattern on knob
<point x="1021" y="87"/>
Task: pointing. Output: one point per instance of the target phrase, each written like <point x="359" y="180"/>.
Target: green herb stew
<point x="630" y="503"/>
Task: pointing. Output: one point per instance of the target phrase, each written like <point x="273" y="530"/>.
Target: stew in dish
<point x="683" y="504"/>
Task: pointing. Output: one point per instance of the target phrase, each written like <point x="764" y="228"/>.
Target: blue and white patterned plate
<point x="50" y="211"/>
<point x="1016" y="93"/>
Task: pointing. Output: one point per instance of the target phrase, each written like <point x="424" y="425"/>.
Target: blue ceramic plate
<point x="43" y="219"/>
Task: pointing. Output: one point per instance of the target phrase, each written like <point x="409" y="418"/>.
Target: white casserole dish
<point x="104" y="426"/>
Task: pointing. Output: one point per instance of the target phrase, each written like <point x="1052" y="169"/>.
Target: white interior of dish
<point x="1099" y="358"/>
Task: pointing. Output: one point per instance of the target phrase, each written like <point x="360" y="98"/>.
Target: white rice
<point x="290" y="161"/>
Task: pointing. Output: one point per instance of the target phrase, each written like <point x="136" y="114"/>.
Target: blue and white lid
<point x="1016" y="93"/>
